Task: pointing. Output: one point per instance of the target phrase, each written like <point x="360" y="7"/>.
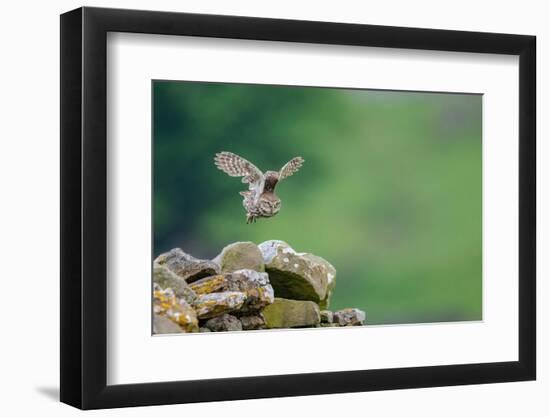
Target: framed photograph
<point x="260" y="208"/>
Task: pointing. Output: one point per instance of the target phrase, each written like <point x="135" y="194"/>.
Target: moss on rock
<point x="285" y="313"/>
<point x="240" y="255"/>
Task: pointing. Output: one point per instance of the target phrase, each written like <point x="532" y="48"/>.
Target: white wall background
<point x="29" y="237"/>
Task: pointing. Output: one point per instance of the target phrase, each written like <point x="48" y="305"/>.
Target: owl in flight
<point x="260" y="200"/>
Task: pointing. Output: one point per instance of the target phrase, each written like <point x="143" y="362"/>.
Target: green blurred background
<point x="390" y="192"/>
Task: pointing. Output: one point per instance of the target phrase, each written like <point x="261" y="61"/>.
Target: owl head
<point x="269" y="205"/>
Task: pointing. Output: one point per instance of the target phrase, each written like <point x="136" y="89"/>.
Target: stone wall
<point x="246" y="287"/>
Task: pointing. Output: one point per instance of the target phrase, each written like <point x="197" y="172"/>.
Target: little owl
<point x="260" y="200"/>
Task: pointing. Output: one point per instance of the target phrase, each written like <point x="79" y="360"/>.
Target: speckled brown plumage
<point x="260" y="200"/>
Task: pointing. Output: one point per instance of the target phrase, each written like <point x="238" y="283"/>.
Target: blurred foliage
<point x="390" y="192"/>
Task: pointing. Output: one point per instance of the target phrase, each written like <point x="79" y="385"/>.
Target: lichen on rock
<point x="298" y="276"/>
<point x="165" y="303"/>
<point x="256" y="286"/>
<point x="163" y="325"/>
<point x="168" y="279"/>
<point x="350" y="317"/>
<point x="215" y="304"/>
<point x="186" y="266"/>
<point x="214" y="283"/>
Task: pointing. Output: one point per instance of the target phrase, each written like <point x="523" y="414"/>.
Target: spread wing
<point x="290" y="167"/>
<point x="236" y="166"/>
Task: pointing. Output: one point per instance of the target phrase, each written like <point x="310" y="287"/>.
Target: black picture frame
<point x="84" y="207"/>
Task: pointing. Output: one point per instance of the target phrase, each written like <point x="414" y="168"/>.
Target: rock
<point x="285" y="313"/>
<point x="256" y="286"/>
<point x="168" y="279"/>
<point x="224" y="323"/>
<point x="214" y="304"/>
<point x="254" y="322"/>
<point x="240" y="255"/>
<point x="326" y="316"/>
<point x="204" y="330"/>
<point x="298" y="276"/>
<point x="179" y="311"/>
<point x="186" y="266"/>
<point x="350" y="317"/>
<point x="209" y="285"/>
<point x="163" y="325"/>
<point x="328" y="325"/>
<point x="331" y="278"/>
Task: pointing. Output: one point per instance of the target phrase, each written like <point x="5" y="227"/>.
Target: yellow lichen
<point x="165" y="303"/>
<point x="208" y="285"/>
